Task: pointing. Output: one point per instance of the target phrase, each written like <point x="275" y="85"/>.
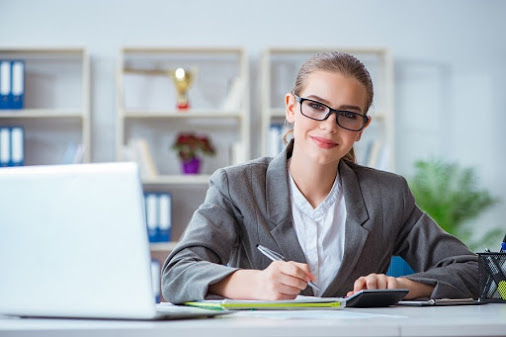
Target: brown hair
<point x="336" y="62"/>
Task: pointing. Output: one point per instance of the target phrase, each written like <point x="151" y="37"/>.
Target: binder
<point x="164" y="217"/>
<point x="142" y="155"/>
<point x="18" y="84"/>
<point x="155" y="278"/>
<point x="5" y="146"/>
<point x="5" y="84"/>
<point x="70" y="153"/>
<point x="151" y="215"/>
<point x="17" y="146"/>
<point x="275" y="143"/>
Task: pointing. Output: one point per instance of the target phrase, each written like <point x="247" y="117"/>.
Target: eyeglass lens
<point x="345" y="119"/>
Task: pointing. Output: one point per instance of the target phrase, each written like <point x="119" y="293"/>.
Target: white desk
<point x="472" y="320"/>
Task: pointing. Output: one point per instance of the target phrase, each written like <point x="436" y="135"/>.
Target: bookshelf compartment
<point x="55" y="114"/>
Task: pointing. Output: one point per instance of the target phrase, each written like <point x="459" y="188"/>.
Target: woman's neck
<point x="313" y="181"/>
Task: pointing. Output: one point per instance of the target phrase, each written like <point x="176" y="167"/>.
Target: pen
<point x="272" y="255"/>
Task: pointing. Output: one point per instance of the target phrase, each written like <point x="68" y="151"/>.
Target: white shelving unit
<point x="279" y="67"/>
<point x="56" y="111"/>
<point x="147" y="109"/>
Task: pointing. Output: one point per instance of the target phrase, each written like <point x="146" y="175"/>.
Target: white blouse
<point x="320" y="232"/>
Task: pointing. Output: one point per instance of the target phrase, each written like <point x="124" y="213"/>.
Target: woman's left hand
<point x="374" y="281"/>
<point x="382" y="281"/>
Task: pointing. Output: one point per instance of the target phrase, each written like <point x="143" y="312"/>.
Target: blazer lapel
<point x="355" y="233"/>
<point x="279" y="210"/>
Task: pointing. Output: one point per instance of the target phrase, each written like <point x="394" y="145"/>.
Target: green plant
<point x="450" y="195"/>
<point x="188" y="146"/>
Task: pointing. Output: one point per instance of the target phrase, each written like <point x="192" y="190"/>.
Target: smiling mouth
<point x="324" y="143"/>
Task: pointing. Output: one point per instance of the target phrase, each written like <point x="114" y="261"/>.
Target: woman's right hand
<point x="280" y="281"/>
<point x="283" y="280"/>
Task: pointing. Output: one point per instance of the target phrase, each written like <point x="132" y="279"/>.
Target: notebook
<point x="73" y="243"/>
<point x="301" y="302"/>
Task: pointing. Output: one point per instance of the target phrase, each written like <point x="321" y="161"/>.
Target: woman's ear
<point x="290" y="107"/>
<point x="359" y="134"/>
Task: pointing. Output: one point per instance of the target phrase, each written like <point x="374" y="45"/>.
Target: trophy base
<point x="183" y="106"/>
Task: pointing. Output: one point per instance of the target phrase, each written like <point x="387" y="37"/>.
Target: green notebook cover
<point x="301" y="302"/>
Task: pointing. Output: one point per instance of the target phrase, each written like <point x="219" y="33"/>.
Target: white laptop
<point x="73" y="243"/>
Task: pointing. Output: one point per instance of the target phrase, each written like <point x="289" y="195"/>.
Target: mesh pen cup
<point x="492" y="275"/>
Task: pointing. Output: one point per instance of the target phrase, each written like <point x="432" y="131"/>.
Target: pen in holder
<point x="492" y="276"/>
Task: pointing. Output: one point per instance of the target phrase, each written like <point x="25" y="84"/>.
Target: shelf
<point x="182" y="50"/>
<point x="42" y="113"/>
<point x="196" y="113"/>
<point x="147" y="97"/>
<point x="312" y="50"/>
<point x="42" y="51"/>
<point x="189" y="179"/>
<point x="162" y="246"/>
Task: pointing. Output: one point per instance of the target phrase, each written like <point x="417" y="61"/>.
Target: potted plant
<point x="451" y="196"/>
<point x="189" y="147"/>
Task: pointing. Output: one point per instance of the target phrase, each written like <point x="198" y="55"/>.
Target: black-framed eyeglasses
<point x="317" y="111"/>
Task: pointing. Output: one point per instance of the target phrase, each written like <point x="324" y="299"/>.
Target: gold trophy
<point x="183" y="79"/>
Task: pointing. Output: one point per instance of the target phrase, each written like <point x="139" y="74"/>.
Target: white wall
<point x="449" y="60"/>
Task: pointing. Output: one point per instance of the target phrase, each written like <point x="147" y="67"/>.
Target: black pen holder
<point x="492" y="275"/>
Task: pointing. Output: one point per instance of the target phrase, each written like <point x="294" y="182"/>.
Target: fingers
<point x="307" y="275"/>
<point x="374" y="281"/>
<point x="294" y="274"/>
<point x="285" y="280"/>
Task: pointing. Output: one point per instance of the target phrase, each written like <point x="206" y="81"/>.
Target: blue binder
<point x="155" y="279"/>
<point x="18" y="84"/>
<point x="17" y="142"/>
<point x="151" y="206"/>
<point x="5" y="146"/>
<point x="5" y="84"/>
<point x="164" y="217"/>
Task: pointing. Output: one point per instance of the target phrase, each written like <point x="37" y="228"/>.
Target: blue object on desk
<point x="398" y="267"/>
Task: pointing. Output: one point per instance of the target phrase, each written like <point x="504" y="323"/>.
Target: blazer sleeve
<point x="200" y="258"/>
<point x="438" y="258"/>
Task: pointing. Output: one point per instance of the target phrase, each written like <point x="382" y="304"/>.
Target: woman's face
<point x="324" y="142"/>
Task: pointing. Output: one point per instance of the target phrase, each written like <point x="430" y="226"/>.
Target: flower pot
<point x="191" y="166"/>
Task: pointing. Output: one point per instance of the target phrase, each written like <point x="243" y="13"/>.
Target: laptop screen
<point x="73" y="242"/>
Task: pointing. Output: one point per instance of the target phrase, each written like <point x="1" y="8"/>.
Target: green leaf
<point x="450" y="195"/>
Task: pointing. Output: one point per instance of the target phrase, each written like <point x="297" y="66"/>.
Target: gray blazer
<point x="249" y="204"/>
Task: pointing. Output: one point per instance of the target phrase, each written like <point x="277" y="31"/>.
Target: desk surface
<point x="466" y="320"/>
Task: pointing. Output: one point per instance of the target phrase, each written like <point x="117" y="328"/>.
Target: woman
<point x="336" y="223"/>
